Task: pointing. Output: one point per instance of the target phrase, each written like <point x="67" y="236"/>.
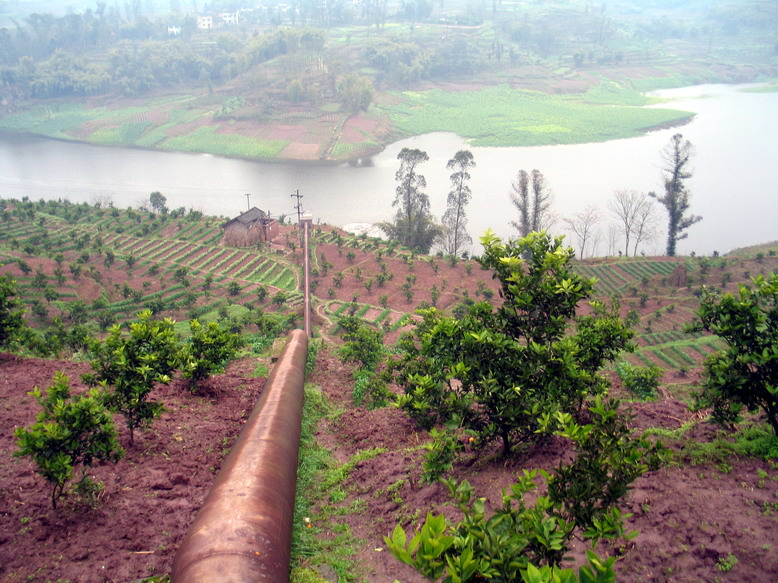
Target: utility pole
<point x="299" y="205"/>
<point x="248" y="204"/>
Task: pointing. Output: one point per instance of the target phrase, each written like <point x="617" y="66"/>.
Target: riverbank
<point x="570" y="109"/>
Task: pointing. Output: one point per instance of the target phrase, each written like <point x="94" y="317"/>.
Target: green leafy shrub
<point x="608" y="459"/>
<point x="641" y="380"/>
<point x="745" y="375"/>
<point x="502" y="369"/>
<point x="11" y="311"/>
<point x="528" y="542"/>
<point x="131" y="364"/>
<point x="69" y="431"/>
<point x="206" y="352"/>
<point x="446" y="444"/>
<point x="363" y="345"/>
<point x="369" y="389"/>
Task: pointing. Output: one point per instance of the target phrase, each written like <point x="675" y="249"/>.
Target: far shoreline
<point x="356" y="160"/>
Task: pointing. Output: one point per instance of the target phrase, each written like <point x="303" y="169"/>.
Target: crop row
<point x="640" y="269"/>
<point x="680" y="354"/>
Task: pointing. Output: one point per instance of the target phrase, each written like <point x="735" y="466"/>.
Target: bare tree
<point x="634" y="210"/>
<point x="614" y="233"/>
<point x="534" y="208"/>
<point x="645" y="225"/>
<point x="583" y="225"/>
<point x="596" y="240"/>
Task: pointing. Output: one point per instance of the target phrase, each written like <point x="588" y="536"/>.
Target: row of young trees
<point x="414" y="226"/>
<point x="633" y="210"/>
<point x="78" y="430"/>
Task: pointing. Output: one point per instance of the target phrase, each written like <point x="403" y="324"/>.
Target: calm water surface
<point x="733" y="187"/>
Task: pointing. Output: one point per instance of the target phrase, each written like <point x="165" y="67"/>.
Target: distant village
<point x="220" y="19"/>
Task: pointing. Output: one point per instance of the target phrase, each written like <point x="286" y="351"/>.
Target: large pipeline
<point x="243" y="532"/>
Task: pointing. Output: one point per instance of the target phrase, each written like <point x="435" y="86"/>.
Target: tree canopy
<point x="455" y="235"/>
<point x="745" y="374"/>
<point x="500" y="372"/>
<point x="676" y="156"/>
<point x="413" y="225"/>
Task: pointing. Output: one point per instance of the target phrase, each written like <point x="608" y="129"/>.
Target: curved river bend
<point x="733" y="188"/>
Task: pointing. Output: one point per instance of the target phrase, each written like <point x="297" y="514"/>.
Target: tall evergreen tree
<point x="534" y="213"/>
<point x="676" y="156"/>
<point x="454" y="219"/>
<point x="413" y="225"/>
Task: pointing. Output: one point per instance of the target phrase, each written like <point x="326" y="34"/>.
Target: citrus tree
<point x="744" y="375"/>
<point x="502" y="373"/>
<point x="70" y="431"/>
<point x="11" y="311"/>
<point x="208" y="349"/>
<point x="527" y="538"/>
<point x="131" y="364"/>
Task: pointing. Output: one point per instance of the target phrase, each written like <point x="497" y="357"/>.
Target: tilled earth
<point x="710" y="522"/>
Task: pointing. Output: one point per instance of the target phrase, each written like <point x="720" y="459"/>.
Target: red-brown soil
<point x="150" y="496"/>
<point x="688" y="517"/>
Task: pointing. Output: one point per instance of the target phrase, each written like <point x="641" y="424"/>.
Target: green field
<point x="501" y="116"/>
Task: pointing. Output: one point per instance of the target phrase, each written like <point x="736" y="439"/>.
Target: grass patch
<point x="749" y="440"/>
<point x="55" y="120"/>
<point x="207" y="139"/>
<point x="320" y="480"/>
<point x="501" y="116"/>
<point x="126" y="134"/>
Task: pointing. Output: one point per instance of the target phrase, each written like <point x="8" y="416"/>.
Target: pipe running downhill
<point x="243" y="532"/>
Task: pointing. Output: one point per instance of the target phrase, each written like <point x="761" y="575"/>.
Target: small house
<point x="251" y="228"/>
<point x="230" y="18"/>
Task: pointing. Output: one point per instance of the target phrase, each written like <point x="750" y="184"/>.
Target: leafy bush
<point x="69" y="431"/>
<point x="363" y="345"/>
<point x="369" y="389"/>
<point x="11" y="311"/>
<point x="746" y="373"/>
<point x="522" y="542"/>
<point x="501" y="370"/>
<point x="131" y="365"/>
<point x="641" y="380"/>
<point x="260" y="343"/>
<point x="208" y="349"/>
<point x="445" y="446"/>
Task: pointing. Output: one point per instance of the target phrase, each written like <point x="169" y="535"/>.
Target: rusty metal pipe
<point x="243" y="531"/>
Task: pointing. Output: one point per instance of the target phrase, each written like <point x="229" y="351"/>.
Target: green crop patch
<point x="501" y="116"/>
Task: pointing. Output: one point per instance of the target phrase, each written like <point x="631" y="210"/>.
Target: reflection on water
<point x="733" y="187"/>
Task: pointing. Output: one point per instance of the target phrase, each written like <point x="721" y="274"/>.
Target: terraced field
<point x="117" y="262"/>
<point x="69" y="258"/>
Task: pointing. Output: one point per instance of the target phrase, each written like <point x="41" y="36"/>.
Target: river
<point x="733" y="187"/>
